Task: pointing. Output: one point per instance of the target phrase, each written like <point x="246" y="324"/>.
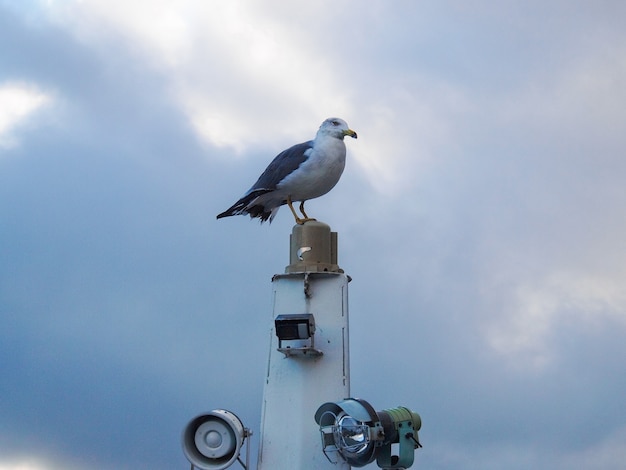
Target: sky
<point x="481" y="217"/>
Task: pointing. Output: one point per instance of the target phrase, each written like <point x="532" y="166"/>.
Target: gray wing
<point x="284" y="163"/>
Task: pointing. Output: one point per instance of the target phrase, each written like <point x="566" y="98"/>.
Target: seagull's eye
<point x="335" y="123"/>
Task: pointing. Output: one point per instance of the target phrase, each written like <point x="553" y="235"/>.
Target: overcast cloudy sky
<point x="482" y="217"/>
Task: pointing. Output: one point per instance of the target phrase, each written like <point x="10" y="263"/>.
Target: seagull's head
<point x="336" y="127"/>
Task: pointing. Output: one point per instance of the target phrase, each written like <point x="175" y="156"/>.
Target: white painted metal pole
<point x="306" y="372"/>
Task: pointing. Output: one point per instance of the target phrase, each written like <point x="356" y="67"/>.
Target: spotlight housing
<point x="360" y="435"/>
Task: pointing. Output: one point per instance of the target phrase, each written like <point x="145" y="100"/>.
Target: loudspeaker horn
<point x="213" y="440"/>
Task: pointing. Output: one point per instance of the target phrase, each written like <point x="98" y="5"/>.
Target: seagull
<point x="302" y="172"/>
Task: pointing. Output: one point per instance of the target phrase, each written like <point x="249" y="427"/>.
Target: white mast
<point x="308" y="360"/>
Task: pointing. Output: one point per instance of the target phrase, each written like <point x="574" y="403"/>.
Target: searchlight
<point x="360" y="435"/>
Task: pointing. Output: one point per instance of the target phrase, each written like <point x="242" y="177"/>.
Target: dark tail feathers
<point x="241" y="207"/>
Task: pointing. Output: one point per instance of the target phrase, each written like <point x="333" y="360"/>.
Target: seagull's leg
<point x="302" y="210"/>
<point x="299" y="221"/>
<point x="306" y="217"/>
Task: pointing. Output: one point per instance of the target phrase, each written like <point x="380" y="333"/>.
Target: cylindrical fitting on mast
<point x="313" y="248"/>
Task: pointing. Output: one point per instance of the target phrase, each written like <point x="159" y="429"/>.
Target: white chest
<point x="319" y="174"/>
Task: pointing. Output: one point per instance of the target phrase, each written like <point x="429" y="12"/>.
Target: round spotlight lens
<point x="351" y="435"/>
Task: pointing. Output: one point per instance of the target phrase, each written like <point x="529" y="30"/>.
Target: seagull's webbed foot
<point x="299" y="221"/>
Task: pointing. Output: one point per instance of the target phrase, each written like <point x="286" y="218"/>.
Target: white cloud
<point x="246" y="76"/>
<point x="607" y="454"/>
<point x="156" y="29"/>
<point x="37" y="461"/>
<point x="25" y="464"/>
<point x="18" y="103"/>
<point x="232" y="68"/>
<point x="537" y="308"/>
